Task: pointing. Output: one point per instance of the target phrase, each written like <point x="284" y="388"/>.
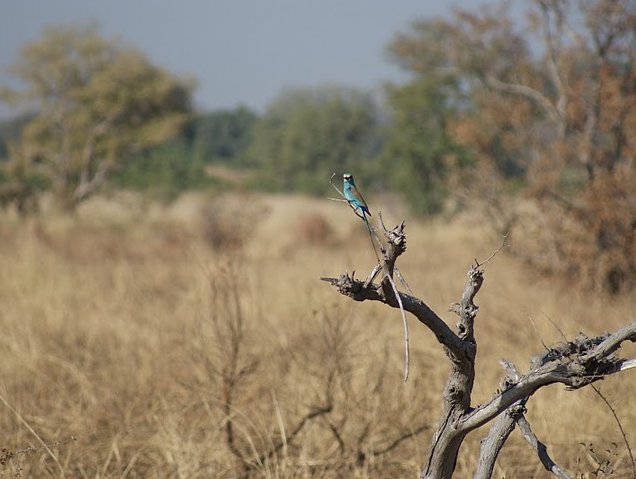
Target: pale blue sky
<point x="239" y="51"/>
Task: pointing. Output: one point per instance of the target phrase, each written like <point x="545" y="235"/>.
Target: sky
<point x="240" y="52"/>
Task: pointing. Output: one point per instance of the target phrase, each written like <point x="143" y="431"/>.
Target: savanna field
<point x="196" y="340"/>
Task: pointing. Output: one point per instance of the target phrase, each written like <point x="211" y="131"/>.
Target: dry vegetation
<point x="167" y="348"/>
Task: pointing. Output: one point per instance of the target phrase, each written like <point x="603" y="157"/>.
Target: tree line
<point x="531" y="120"/>
<point x="102" y="115"/>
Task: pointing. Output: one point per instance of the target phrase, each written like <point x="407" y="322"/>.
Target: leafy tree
<point x="98" y="102"/>
<point x="10" y="131"/>
<point x="165" y="170"/>
<point x="419" y="152"/>
<point x="223" y="136"/>
<point x="554" y="102"/>
<point x="305" y="135"/>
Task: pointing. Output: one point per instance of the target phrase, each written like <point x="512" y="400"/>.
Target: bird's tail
<point x="366" y="222"/>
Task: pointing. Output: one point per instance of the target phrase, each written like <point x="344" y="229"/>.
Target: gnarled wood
<point x="576" y="364"/>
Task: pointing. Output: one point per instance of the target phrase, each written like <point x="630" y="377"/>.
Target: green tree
<point x="98" y="102"/>
<point x="305" y="135"/>
<point x="223" y="136"/>
<point x="165" y="170"/>
<point x="419" y="151"/>
<point x="10" y="131"/>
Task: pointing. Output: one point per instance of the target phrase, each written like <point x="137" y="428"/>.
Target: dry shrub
<point x="589" y="240"/>
<point x="134" y="348"/>
<point x="313" y="228"/>
<point x="230" y="220"/>
<point x="316" y="395"/>
<point x="606" y="251"/>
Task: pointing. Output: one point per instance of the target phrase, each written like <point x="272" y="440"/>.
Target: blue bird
<point x="354" y="197"/>
<point x="356" y="201"/>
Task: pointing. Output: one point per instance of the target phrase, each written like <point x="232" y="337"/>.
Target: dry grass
<point x="124" y="328"/>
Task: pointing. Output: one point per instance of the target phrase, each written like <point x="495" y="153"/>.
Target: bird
<point x="354" y="197"/>
<point x="360" y="208"/>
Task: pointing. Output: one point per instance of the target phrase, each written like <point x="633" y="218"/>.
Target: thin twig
<point x="403" y="281"/>
<point x="395" y="268"/>
<point x="32" y="431"/>
<point x="396" y="442"/>
<point x="620" y="426"/>
<point x="540" y="449"/>
<point x="504" y="243"/>
<point x="337" y="436"/>
<point x="334" y="186"/>
<point x="377" y="257"/>
<point x="556" y="326"/>
<point x="406" y="329"/>
<point x="374" y="272"/>
<point x="536" y="332"/>
<point x="377" y="240"/>
<point x="382" y="221"/>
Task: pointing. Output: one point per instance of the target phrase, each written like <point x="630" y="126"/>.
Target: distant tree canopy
<point x="554" y="105"/>
<point x="163" y="171"/>
<point x="10" y="131"/>
<point x="222" y="136"/>
<point x="419" y="154"/>
<point x="305" y="135"/>
<point x="98" y="102"/>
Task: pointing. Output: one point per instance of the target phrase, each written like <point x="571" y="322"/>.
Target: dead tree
<point x="575" y="363"/>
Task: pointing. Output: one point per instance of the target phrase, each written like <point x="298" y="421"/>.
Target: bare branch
<point x="400" y="439"/>
<point x="629" y="364"/>
<point x="466" y="308"/>
<point x="551" y="39"/>
<point x="612" y="342"/>
<point x="403" y="281"/>
<point x="525" y="91"/>
<point x="356" y="290"/>
<point x="86" y="188"/>
<point x="504" y="243"/>
<point x="575" y="364"/>
<point x="312" y="414"/>
<point x="556" y="326"/>
<point x="335" y="187"/>
<point x="540" y="449"/>
<point x="35" y="434"/>
<point x="336" y="434"/>
<point x="382" y="222"/>
<point x="502" y="427"/>
<point x="620" y="426"/>
<point x="497" y="436"/>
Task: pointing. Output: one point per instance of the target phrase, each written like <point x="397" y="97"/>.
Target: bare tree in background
<point x="576" y="363"/>
<point x="548" y="108"/>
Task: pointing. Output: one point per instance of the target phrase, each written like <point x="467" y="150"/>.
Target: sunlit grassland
<point x="115" y="329"/>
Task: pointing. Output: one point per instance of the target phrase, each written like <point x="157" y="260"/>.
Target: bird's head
<point x="347" y="177"/>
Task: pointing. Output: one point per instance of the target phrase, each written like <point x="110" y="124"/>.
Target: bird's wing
<point x="358" y="196"/>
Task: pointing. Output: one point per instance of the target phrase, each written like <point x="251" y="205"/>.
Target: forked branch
<point x="575" y="364"/>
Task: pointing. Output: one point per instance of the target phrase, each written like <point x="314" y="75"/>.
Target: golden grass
<point x="117" y="328"/>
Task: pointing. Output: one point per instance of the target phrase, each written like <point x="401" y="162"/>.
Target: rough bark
<point x="497" y="436"/>
<point x="502" y="427"/>
<point x="576" y="364"/>
<point x="540" y="449"/>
